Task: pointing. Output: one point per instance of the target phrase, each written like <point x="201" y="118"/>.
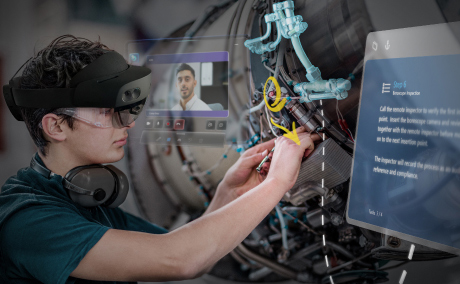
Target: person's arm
<point x="241" y="177"/>
<point x="188" y="251"/>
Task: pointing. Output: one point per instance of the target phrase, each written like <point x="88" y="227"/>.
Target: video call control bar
<point x="183" y="138"/>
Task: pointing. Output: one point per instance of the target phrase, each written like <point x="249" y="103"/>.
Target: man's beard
<point x="186" y="96"/>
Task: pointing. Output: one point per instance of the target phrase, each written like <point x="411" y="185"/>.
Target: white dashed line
<point x="322" y="112"/>
<point x="321" y="102"/>
<point x="403" y="277"/>
<point x="411" y="252"/>
<point x="322" y="199"/>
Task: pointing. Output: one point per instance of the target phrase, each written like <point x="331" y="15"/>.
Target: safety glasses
<point x="105" y="117"/>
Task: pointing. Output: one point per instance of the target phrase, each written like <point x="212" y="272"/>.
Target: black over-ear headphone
<point x="91" y="185"/>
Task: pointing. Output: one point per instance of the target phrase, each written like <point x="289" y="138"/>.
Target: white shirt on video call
<point x="193" y="104"/>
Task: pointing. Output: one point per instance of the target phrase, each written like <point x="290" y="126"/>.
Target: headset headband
<point x="105" y="83"/>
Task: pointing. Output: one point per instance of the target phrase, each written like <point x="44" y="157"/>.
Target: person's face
<point x="94" y="145"/>
<point x="185" y="83"/>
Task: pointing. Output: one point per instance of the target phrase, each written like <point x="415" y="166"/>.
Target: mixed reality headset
<point x="109" y="92"/>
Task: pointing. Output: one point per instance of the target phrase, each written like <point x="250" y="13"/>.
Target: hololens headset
<point x="107" y="82"/>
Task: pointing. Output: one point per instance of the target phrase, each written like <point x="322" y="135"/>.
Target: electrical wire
<point x="270" y="124"/>
<point x="257" y="107"/>
<point x="329" y="271"/>
<point x="215" y="166"/>
<point x="357" y="69"/>
<point x="351" y="136"/>
<point x="285" y="76"/>
<point x="301" y="223"/>
<point x="261" y="125"/>
<point x="394" y="266"/>
<point x="342" y="124"/>
<point x="268" y="68"/>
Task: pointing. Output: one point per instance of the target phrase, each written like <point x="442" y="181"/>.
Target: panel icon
<point x="375" y="45"/>
<point x="134" y="57"/>
<point x="159" y="124"/>
<point x="169" y="124"/>
<point x="386" y="88"/>
<point x="221" y="125"/>
<point x="210" y="125"/>
<point x="179" y="124"/>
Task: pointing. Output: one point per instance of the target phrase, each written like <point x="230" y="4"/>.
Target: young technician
<point x="185" y="84"/>
<point x="59" y="221"/>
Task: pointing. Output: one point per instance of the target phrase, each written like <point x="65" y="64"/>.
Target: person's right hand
<point x="285" y="163"/>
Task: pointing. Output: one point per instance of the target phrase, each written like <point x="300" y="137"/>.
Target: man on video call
<point x="185" y="84"/>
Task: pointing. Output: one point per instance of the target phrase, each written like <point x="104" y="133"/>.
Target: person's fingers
<point x="270" y="155"/>
<point x="307" y="153"/>
<point x="261" y="147"/>
<point x="254" y="160"/>
<point x="266" y="166"/>
<point x="300" y="129"/>
<point x="309" y="144"/>
<point x="315" y="137"/>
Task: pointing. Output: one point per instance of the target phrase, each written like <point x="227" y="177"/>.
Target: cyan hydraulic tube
<point x="267" y="34"/>
<point x="331" y="85"/>
<point x="259" y="39"/>
<point x="283" y="227"/>
<point x="290" y="26"/>
<point x="289" y="14"/>
<point x="324" y="96"/>
<point x="278" y="38"/>
<point x="300" y="52"/>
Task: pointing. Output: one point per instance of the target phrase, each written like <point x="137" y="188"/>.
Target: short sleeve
<point x="47" y="242"/>
<point x="133" y="223"/>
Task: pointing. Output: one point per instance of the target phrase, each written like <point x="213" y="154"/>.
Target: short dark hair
<point x="185" y="66"/>
<point x="53" y="67"/>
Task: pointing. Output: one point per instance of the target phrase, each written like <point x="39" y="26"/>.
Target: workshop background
<point x="27" y="26"/>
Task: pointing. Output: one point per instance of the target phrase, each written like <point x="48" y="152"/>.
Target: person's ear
<point x="194" y="83"/>
<point x="53" y="127"/>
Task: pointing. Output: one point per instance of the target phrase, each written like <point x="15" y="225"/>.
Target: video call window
<point x="198" y="84"/>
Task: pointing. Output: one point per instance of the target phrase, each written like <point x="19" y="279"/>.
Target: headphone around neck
<point x="92" y="185"/>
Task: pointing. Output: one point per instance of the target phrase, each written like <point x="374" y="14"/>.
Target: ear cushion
<point x="122" y="187"/>
<point x="93" y="178"/>
<point x="76" y="170"/>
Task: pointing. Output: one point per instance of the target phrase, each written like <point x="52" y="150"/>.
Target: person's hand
<point x="285" y="164"/>
<point x="242" y="176"/>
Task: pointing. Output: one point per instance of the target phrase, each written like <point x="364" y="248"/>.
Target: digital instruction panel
<point x="406" y="169"/>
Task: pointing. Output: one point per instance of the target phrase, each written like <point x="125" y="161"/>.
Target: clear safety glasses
<point x="105" y="117"/>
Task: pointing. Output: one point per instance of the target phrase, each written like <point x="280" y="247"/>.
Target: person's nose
<point x="131" y="125"/>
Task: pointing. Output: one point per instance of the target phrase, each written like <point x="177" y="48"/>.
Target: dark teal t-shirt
<point x="44" y="235"/>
